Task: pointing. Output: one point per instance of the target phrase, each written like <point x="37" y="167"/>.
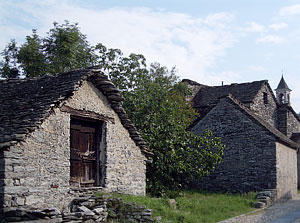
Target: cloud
<point x="290" y="10"/>
<point x="270" y="39"/>
<point x="193" y="44"/>
<point x="254" y="27"/>
<point x="224" y="77"/>
<point x="219" y="20"/>
<point x="278" y="26"/>
<point x="257" y="68"/>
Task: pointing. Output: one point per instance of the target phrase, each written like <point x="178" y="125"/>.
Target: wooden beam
<point x="86" y="114"/>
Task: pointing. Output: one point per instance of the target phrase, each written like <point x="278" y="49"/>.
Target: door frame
<point x="98" y="137"/>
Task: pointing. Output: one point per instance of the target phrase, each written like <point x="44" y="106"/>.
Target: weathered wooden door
<point x="84" y="153"/>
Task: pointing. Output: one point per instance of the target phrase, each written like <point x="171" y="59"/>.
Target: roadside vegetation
<point x="195" y="206"/>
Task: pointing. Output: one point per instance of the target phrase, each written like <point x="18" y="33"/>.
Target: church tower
<point x="283" y="92"/>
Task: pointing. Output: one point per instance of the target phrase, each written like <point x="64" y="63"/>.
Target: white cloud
<point x="270" y="39"/>
<point x="8" y="33"/>
<point x="193" y="44"/>
<point x="225" y="77"/>
<point x="278" y="26"/>
<point x="219" y="20"/>
<point x="254" y="27"/>
<point x="257" y="68"/>
<point x="290" y="10"/>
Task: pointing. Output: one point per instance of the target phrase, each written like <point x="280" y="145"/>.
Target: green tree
<point x="127" y="73"/>
<point x="66" y="48"/>
<point x="155" y="101"/>
<point x="31" y="58"/>
<point x="9" y="65"/>
<point x="160" y="111"/>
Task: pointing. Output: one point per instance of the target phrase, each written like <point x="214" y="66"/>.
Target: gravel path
<point x="271" y="214"/>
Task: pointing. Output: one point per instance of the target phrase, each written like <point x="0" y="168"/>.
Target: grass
<point x="195" y="206"/>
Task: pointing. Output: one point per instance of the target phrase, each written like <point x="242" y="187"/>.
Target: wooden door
<point x="83" y="153"/>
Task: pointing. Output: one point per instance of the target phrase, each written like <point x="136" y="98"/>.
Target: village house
<point x="61" y="133"/>
<point x="260" y="131"/>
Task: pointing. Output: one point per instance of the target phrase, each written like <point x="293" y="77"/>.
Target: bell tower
<point x="283" y="92"/>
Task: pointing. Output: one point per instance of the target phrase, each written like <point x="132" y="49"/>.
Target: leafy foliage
<point x="9" y="67"/>
<point x="63" y="49"/>
<point x="31" y="56"/>
<point x="127" y="73"/>
<point x="66" y="48"/>
<point x="155" y="100"/>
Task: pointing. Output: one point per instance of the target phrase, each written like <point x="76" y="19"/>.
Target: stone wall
<point x="267" y="111"/>
<point x="125" y="164"/>
<point x="249" y="161"/>
<point x="194" y="87"/>
<point x="288" y="123"/>
<point x="298" y="168"/>
<point x="282" y="119"/>
<point x="85" y="208"/>
<point x="293" y="124"/>
<point x="286" y="165"/>
<point x="36" y="171"/>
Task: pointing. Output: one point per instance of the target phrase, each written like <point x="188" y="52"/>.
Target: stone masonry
<point x="267" y="111"/>
<point x="261" y="133"/>
<point x="288" y="120"/>
<point x="87" y="207"/>
<point x="125" y="163"/>
<point x="257" y="156"/>
<point x="35" y="167"/>
<point x="250" y="162"/>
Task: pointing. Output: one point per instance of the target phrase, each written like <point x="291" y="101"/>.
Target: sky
<point x="210" y="41"/>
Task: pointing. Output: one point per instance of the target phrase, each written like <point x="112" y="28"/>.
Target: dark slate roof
<point x="278" y="135"/>
<point x="191" y="82"/>
<point x="25" y="103"/>
<point x="282" y="85"/>
<point x="194" y="86"/>
<point x="210" y="95"/>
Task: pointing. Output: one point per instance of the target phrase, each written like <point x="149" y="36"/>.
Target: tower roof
<point x="282" y="85"/>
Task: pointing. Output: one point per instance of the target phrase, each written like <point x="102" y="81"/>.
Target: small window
<point x="265" y="95"/>
<point x="281" y="101"/>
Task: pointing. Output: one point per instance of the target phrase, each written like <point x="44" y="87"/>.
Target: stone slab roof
<point x="210" y="95"/>
<point x="275" y="132"/>
<point x="25" y="103"/>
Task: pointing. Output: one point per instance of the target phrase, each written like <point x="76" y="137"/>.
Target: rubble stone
<point x="35" y="141"/>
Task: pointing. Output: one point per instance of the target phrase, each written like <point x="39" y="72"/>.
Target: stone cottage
<point x="260" y="131"/>
<point x="66" y="132"/>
